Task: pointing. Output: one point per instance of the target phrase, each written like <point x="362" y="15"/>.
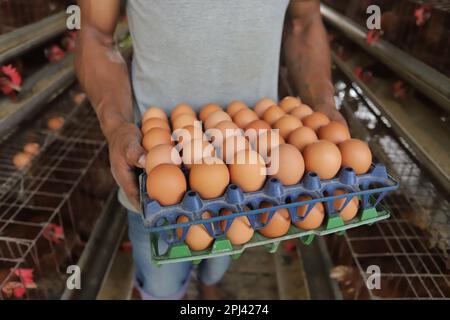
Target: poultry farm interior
<point x="56" y="206"/>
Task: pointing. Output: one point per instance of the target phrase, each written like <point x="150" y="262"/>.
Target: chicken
<point x="54" y="53"/>
<point x="10" y="80"/>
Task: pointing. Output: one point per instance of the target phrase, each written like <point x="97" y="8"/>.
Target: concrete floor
<point x="257" y="274"/>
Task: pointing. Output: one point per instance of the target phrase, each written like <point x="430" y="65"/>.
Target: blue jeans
<point x="168" y="281"/>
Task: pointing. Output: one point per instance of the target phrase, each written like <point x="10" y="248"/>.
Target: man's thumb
<point x="135" y="155"/>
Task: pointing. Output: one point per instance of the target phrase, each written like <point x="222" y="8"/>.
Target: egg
<point x="163" y="153"/>
<point x="156" y="136"/>
<point x="289" y="103"/>
<point x="154" y="123"/>
<point x="182" y="108"/>
<point x="323" y="158"/>
<point x="266" y="141"/>
<point x="286" y="164"/>
<point x="248" y="170"/>
<point x="32" y="148"/>
<point x="197" y="236"/>
<point x="286" y="124"/>
<point x="278" y="226"/>
<point x="301" y="112"/>
<point x="235" y="106"/>
<point x="356" y="155"/>
<point x="207" y="110"/>
<point x="316" y="120"/>
<point x="22" y="160"/>
<point x="301" y="137"/>
<point x="350" y="210"/>
<point x="254" y="129"/>
<point x="215" y="118"/>
<point x="195" y="150"/>
<point x="154" y="112"/>
<point x="222" y="131"/>
<point x="231" y="145"/>
<point x="187" y="134"/>
<point x="334" y="132"/>
<point x="245" y="116"/>
<point x="315" y="217"/>
<point x="55" y="123"/>
<point x="262" y="105"/>
<point x="210" y="178"/>
<point x="183" y="120"/>
<point x="240" y="231"/>
<point x="166" y="184"/>
<point x="273" y="114"/>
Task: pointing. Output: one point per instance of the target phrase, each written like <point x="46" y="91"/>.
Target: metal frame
<point x="430" y="82"/>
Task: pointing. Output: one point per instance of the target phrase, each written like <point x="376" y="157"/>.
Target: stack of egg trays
<point x="167" y="247"/>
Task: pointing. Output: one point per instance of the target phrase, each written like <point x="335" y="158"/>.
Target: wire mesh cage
<point x="48" y="209"/>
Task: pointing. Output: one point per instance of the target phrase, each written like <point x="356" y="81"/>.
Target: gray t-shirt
<point x="202" y="51"/>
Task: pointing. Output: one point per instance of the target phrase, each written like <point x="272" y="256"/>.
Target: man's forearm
<point x="103" y="74"/>
<point x="307" y="57"/>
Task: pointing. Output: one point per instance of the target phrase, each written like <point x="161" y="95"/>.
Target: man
<point x="194" y="51"/>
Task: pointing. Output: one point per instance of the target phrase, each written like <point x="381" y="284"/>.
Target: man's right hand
<point x="126" y="153"/>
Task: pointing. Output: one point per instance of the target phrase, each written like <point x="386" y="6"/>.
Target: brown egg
<point x="286" y="164"/>
<point x="156" y="136"/>
<point x="32" y="148"/>
<point x="266" y="141"/>
<point x="197" y="237"/>
<point x="21" y="160"/>
<point x="273" y="114"/>
<point x="356" y="155"/>
<point x="154" y="112"/>
<point x="334" y="132"/>
<point x="248" y="170"/>
<point x="163" y="153"/>
<point x="289" y="103"/>
<point x="231" y="145"/>
<point x="244" y="117"/>
<point x="209" y="178"/>
<point x="286" y="124"/>
<point x="187" y="134"/>
<point x="240" y="231"/>
<point x="208" y="109"/>
<point x="278" y="225"/>
<point x="215" y="118"/>
<point x="154" y="123"/>
<point x="262" y="105"/>
<point x="350" y="210"/>
<point x="315" y="216"/>
<point x="316" y="120"/>
<point x="323" y="158"/>
<point x="301" y="112"/>
<point x="55" y="123"/>
<point x="166" y="184"/>
<point x="254" y="129"/>
<point x="183" y="120"/>
<point x="181" y="109"/>
<point x="195" y="150"/>
<point x="222" y="131"/>
<point x="301" y="137"/>
<point x="235" y="106"/>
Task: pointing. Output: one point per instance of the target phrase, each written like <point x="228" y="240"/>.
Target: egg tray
<point x="161" y="223"/>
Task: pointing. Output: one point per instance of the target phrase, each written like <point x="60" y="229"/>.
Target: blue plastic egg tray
<point x="160" y="220"/>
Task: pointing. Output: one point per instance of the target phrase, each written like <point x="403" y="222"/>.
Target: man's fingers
<point x="126" y="179"/>
<point x="135" y="155"/>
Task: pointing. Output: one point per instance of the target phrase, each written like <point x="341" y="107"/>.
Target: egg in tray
<point x="227" y="179"/>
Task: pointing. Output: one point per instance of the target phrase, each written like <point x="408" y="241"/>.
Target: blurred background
<point x="59" y="208"/>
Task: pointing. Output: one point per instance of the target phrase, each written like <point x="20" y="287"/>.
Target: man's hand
<point x="331" y="112"/>
<point x="126" y="153"/>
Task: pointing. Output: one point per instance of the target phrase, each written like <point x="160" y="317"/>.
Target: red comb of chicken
<point x="68" y="42"/>
<point x="10" y="80"/>
<point x="55" y="53"/>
